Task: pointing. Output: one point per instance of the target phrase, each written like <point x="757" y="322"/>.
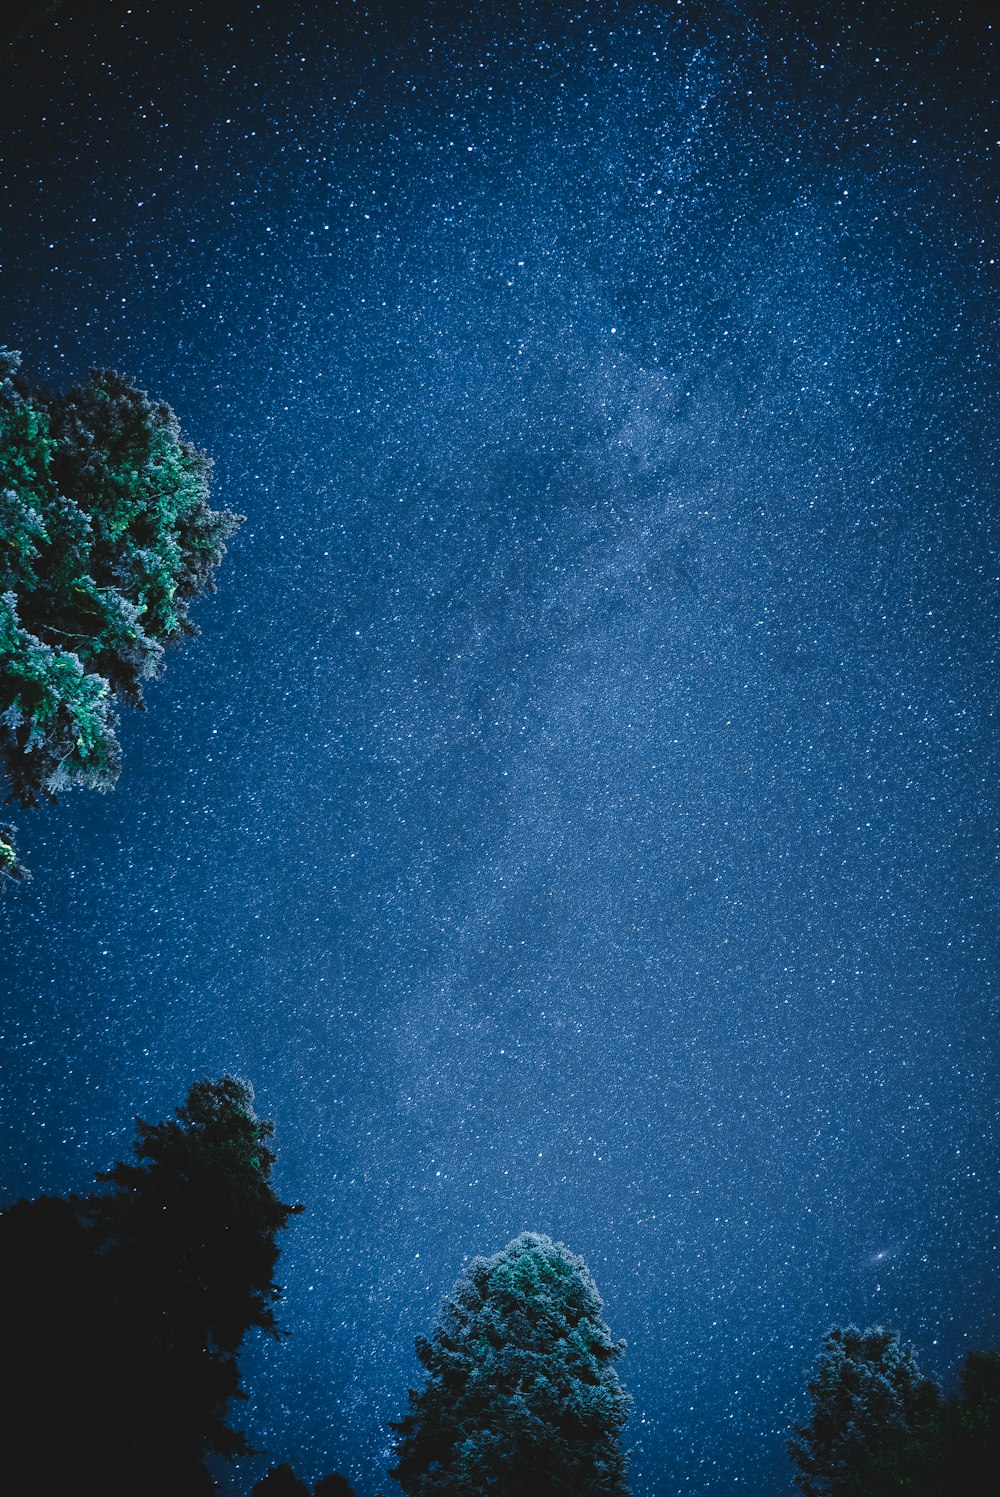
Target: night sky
<point x="579" y="811"/>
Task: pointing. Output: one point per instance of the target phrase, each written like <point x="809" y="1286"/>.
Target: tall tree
<point x="868" y="1400"/>
<point x="132" y="1303"/>
<point x="106" y="538"/>
<point x="522" y="1397"/>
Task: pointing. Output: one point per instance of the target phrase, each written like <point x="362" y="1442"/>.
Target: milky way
<point x="579" y="811"/>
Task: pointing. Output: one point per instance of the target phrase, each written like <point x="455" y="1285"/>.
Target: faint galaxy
<point x="579" y="812"/>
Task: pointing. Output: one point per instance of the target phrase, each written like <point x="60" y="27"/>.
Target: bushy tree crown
<point x="106" y="537"/>
<point x="868" y="1397"/>
<point x="522" y="1397"/>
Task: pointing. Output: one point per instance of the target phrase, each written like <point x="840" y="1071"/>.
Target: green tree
<point x="106" y="538"/>
<point x="522" y="1397"/>
<point x="868" y="1401"/>
<point x="132" y="1303"/>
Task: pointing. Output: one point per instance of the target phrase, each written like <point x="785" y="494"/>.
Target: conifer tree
<point x="522" y="1397"/>
<point x="132" y="1304"/>
<point x="10" y="865"/>
<point x="106" y="538"/>
<point x="955" y="1453"/>
<point x="868" y="1400"/>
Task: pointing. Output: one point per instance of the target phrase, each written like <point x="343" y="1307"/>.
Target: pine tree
<point x="522" y="1397"/>
<point x="868" y="1399"/>
<point x="132" y="1304"/>
<point x="106" y="537"/>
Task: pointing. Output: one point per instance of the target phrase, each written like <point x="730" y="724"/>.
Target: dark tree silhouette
<point x="131" y="1304"/>
<point x="522" y="1397"/>
<point x="955" y="1454"/>
<point x="334" y="1485"/>
<point x="868" y="1401"/>
<point x="280" y="1482"/>
<point x="107" y="538"/>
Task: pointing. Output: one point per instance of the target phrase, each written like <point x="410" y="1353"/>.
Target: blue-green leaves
<point x="106" y="537"/>
<point x="522" y="1395"/>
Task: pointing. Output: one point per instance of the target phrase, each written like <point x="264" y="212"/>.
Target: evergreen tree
<point x="106" y="537"/>
<point x="132" y="1303"/>
<point x="868" y="1400"/>
<point x="522" y="1397"/>
<point x="955" y="1454"/>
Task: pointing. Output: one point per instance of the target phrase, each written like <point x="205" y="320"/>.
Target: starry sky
<point x="578" y="813"/>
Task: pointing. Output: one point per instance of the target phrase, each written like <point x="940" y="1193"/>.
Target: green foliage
<point x="868" y="1401"/>
<point x="522" y="1397"/>
<point x="10" y="865"/>
<point x="106" y="538"/>
<point x="57" y="718"/>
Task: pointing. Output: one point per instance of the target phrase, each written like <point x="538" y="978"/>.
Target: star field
<point x="579" y="811"/>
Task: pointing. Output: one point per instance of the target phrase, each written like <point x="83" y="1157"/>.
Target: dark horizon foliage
<point x="333" y="1485"/>
<point x="281" y="1481"/>
<point x="868" y="1399"/>
<point x="106" y="539"/>
<point x="955" y="1454"/>
<point x="522" y="1398"/>
<point x="133" y="1302"/>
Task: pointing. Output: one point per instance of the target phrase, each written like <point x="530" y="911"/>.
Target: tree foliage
<point x="106" y="538"/>
<point x="333" y="1485"/>
<point x="868" y="1401"/>
<point x="956" y="1453"/>
<point x="132" y="1302"/>
<point x="280" y="1481"/>
<point x="522" y="1397"/>
<point x="10" y="865"/>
